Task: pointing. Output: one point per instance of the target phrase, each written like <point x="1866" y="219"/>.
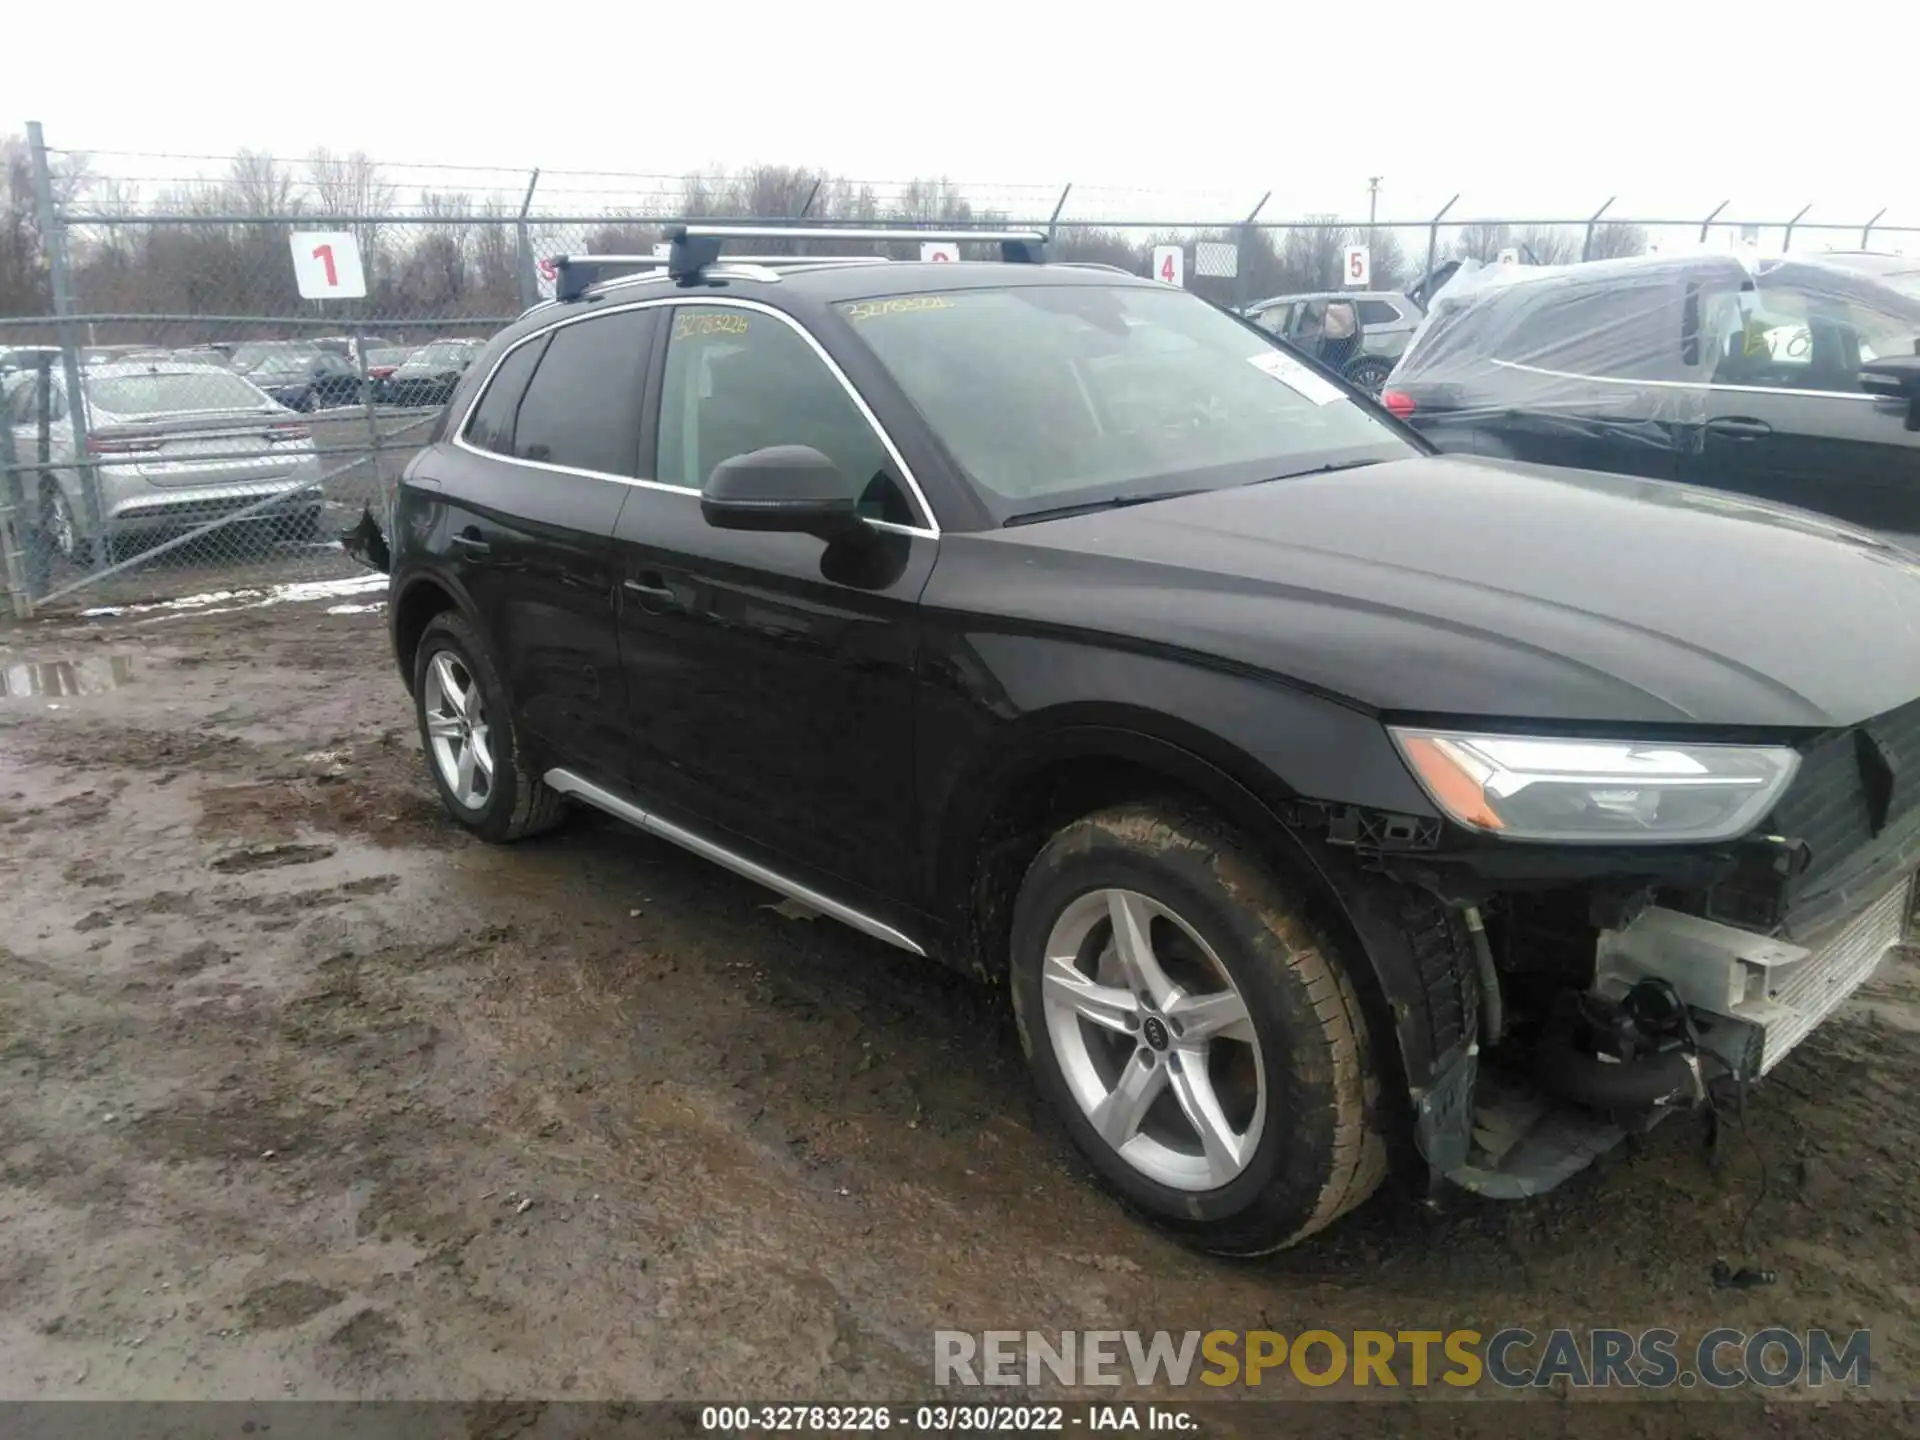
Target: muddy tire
<point x="472" y="745"/>
<point x="1194" y="1030"/>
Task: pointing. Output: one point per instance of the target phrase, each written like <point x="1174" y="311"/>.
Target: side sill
<point x="567" y="783"/>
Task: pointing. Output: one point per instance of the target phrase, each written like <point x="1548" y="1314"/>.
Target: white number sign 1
<point x="1357" y="271"/>
<point x="326" y="265"/>
<point x="1170" y="264"/>
<point x="939" y="250"/>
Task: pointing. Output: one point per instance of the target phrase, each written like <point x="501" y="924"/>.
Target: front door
<point x="770" y="677"/>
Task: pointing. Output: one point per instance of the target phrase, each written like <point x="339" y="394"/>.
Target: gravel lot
<point x="304" y="1093"/>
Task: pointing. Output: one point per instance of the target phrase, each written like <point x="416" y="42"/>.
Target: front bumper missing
<point x="1752" y="999"/>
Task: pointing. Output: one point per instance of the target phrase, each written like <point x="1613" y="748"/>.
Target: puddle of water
<point x="93" y="676"/>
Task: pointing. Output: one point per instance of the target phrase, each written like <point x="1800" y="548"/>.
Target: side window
<point x="491" y="427"/>
<point x="1780" y="336"/>
<point x="737" y="381"/>
<point x="1378" y="312"/>
<point x="582" y="408"/>
<point x="1273" y="319"/>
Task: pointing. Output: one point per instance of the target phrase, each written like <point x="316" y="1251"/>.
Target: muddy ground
<point x="305" y="1093"/>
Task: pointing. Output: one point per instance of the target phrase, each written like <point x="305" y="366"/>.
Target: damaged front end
<point x="1550" y="1001"/>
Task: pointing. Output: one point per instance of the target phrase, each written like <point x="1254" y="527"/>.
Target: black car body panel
<point x="885" y="715"/>
<point x="1736" y="374"/>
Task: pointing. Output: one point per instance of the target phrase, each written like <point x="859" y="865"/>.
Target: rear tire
<point x="1261" y="1130"/>
<point x="62" y="527"/>
<point x="473" y="748"/>
<point x="1369" y="374"/>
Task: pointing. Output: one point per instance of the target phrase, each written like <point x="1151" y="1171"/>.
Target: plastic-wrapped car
<point x="1794" y="379"/>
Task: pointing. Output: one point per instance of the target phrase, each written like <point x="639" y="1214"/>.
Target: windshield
<point x="1053" y="396"/>
<point x="441" y="352"/>
<point x="273" y="359"/>
<point x="173" y="392"/>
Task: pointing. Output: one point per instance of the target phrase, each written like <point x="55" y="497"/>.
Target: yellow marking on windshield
<point x="896" y="305"/>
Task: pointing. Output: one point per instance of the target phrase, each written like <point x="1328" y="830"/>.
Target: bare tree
<point x="1548" y="245"/>
<point x="1482" y="241"/>
<point x="23" y="272"/>
<point x="353" y="185"/>
<point x="1311" y="254"/>
<point x="1615" y="241"/>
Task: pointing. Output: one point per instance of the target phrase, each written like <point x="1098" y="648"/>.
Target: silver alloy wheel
<point x="457" y="730"/>
<point x="66" y="536"/>
<point x="1154" y="1039"/>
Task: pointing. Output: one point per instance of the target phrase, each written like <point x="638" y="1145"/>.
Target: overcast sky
<point x="1547" y="107"/>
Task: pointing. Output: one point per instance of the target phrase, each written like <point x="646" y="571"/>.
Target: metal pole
<point x="1867" y="229"/>
<point x="1787" y="243"/>
<point x="1586" y="245"/>
<point x="529" y="282"/>
<point x="1254" y="213"/>
<point x="1707" y="223"/>
<point x="13" y="527"/>
<point x="1054" y="219"/>
<point x="1373" y="202"/>
<point x="1433" y="238"/>
<point x="811" y="194"/>
<point x="54" y="236"/>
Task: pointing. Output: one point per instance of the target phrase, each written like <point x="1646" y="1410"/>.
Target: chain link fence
<point x="260" y="350"/>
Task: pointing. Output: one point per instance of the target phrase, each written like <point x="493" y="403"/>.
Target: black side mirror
<point x="791" y="488"/>
<point x="1897" y="376"/>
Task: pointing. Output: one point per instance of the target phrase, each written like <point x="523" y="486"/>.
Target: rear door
<point x="531" y="489"/>
<point x="770" y="676"/>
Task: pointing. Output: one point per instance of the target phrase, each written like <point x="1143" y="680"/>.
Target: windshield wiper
<point x="1327" y="469"/>
<point x="1089" y="507"/>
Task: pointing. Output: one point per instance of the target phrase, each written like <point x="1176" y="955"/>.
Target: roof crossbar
<point x="697" y="246"/>
<point x="693" y="248"/>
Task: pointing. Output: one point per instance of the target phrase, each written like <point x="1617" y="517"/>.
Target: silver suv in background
<point x="1387" y="322"/>
<point x="174" y="445"/>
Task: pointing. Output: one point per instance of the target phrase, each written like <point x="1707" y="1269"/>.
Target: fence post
<point x="53" y="235"/>
<point x="1787" y="243"/>
<point x="1433" y="240"/>
<point x="1867" y="229"/>
<point x="529" y="282"/>
<point x="1707" y="223"/>
<point x="1054" y="219"/>
<point x="13" y="527"/>
<point x="1586" y="245"/>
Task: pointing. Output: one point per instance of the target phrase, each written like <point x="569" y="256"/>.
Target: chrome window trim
<point x="932" y="527"/>
<point x="1685" y="384"/>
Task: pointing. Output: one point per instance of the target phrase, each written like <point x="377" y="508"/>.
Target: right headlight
<point x="1531" y="787"/>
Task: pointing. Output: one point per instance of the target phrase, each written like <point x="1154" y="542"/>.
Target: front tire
<point x="472" y="746"/>
<point x="1194" y="1030"/>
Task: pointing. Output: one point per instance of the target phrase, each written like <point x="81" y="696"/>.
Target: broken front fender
<point x="367" y="543"/>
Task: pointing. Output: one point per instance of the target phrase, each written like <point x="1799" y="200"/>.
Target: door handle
<point x="472" y="543"/>
<point x="1738" y="427"/>
<point x="653" y="590"/>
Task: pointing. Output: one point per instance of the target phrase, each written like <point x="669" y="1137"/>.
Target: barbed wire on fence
<point x="187" y="258"/>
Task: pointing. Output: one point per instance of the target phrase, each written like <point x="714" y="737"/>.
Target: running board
<point x="567" y="783"/>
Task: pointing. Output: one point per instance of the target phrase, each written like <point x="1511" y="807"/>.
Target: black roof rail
<point x="692" y="249"/>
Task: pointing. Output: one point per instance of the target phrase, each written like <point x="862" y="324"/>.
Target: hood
<point x="1448" y="586"/>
